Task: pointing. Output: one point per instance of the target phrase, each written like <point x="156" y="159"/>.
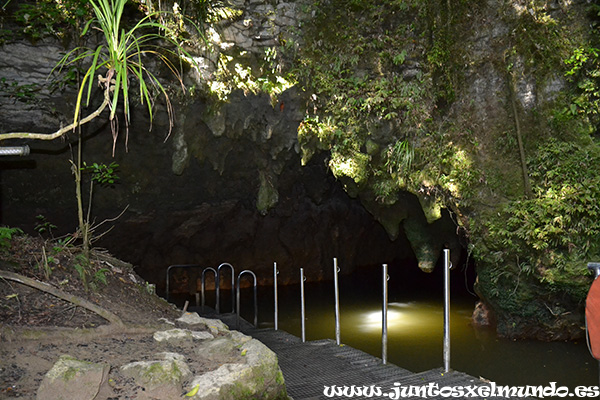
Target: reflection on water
<point x="415" y="335"/>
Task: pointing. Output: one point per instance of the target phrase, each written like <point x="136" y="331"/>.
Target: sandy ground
<point x="37" y="327"/>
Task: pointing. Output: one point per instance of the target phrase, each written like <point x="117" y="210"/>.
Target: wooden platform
<point x="311" y="369"/>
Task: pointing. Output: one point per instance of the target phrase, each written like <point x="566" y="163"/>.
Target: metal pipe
<point x="15" y="151"/>
<point x="447" y="266"/>
<point x="275" y="272"/>
<point x="203" y="284"/>
<point x="337" y="301"/>
<point x="217" y="308"/>
<point x="302" y="311"/>
<point x="247" y="271"/>
<point x="384" y="330"/>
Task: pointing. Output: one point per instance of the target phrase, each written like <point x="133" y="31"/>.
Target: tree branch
<point x="60" y="132"/>
<point x="78" y="301"/>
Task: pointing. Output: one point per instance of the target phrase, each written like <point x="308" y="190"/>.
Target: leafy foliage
<point x="101" y="173"/>
<point x="6" y="235"/>
<point x="340" y="66"/>
<point x="584" y="71"/>
<point x="374" y="100"/>
<point x="51" y="17"/>
<point x="249" y="74"/>
<point x="43" y="225"/>
<point x="554" y="231"/>
<point x="18" y="92"/>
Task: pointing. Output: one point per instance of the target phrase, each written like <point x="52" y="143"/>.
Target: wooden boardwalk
<point x="311" y="369"/>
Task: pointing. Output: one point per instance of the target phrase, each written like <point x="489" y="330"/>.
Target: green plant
<point x="557" y="228"/>
<point x="6" y="235"/>
<point x="100" y="277"/>
<point x="584" y="72"/>
<point x="44" y="265"/>
<point x="101" y="173"/>
<point x="18" y="92"/>
<point x="121" y="56"/>
<point x="361" y="71"/>
<point x="43" y="225"/>
<point x="62" y="244"/>
<point x="115" y="61"/>
<point x="82" y="266"/>
<point x="400" y="157"/>
<point x="50" y="17"/>
<point x="118" y="63"/>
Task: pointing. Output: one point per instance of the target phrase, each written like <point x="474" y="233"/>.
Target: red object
<point x="592" y="318"/>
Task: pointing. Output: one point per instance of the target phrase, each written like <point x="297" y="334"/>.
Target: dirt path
<point x="38" y="327"/>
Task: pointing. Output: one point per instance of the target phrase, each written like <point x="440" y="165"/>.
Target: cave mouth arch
<point x="314" y="222"/>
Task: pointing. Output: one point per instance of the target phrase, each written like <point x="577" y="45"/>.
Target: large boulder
<point x="258" y="376"/>
<point x="72" y="379"/>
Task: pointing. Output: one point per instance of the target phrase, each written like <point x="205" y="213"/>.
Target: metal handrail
<point x="218" y="287"/>
<point x="384" y="327"/>
<point x="302" y="309"/>
<point x="275" y="273"/>
<point x="247" y="271"/>
<point x="177" y="266"/>
<point x="336" y="270"/>
<point x="203" y="283"/>
<point x="447" y="267"/>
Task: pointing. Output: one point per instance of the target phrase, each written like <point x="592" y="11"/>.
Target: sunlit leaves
<point x="584" y="71"/>
<point x="352" y="164"/>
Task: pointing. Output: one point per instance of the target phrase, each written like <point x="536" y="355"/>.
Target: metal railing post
<point x="247" y="271"/>
<point x="167" y="283"/>
<point x="203" y="284"/>
<point x="302" y="314"/>
<point x="217" y="308"/>
<point x="337" y="301"/>
<point x="275" y="272"/>
<point x="447" y="266"/>
<point x="384" y="333"/>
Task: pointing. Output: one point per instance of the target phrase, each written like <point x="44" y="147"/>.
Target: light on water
<point x="402" y="318"/>
<point x="372" y="320"/>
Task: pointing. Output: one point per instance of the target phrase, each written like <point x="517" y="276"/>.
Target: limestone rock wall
<point x="225" y="186"/>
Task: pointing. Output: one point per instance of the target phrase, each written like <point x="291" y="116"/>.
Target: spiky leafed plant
<point x="111" y="64"/>
<point x="121" y="57"/>
<point x="117" y="58"/>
